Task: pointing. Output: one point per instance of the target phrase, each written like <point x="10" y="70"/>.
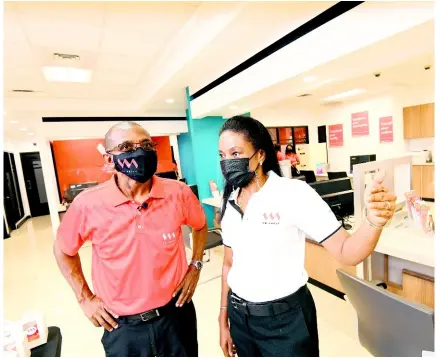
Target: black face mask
<point x="139" y="165"/>
<point x="237" y="172"/>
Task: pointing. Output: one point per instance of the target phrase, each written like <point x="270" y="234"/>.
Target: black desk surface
<point x="53" y="346"/>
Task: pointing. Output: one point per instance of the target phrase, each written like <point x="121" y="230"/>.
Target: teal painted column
<point x="199" y="157"/>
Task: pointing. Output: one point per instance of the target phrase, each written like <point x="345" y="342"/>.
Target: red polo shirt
<point x="138" y="257"/>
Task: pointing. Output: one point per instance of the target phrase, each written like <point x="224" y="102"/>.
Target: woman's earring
<point x="261" y="163"/>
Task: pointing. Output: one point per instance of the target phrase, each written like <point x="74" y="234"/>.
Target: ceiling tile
<point x="111" y="92"/>
<point x="158" y="16"/>
<point x="107" y="77"/>
<point x="69" y="90"/>
<point x="25" y="79"/>
<point x="106" y="61"/>
<point x="89" y="13"/>
<point x="59" y="36"/>
<point x="124" y="42"/>
<point x="17" y="56"/>
<point x="13" y="32"/>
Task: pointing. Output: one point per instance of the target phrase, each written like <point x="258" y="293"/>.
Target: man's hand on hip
<point x="100" y="316"/>
<point x="187" y="286"/>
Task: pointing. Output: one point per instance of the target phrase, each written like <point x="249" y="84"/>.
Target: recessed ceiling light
<point x="343" y="95"/>
<point x="66" y="74"/>
<point x="30" y="133"/>
<point x="13" y="122"/>
<point x="23" y="129"/>
<point x="169" y="100"/>
<point x="309" y="78"/>
<point x="233" y="107"/>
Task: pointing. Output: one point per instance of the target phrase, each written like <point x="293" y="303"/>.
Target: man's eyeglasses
<point x="129" y="146"/>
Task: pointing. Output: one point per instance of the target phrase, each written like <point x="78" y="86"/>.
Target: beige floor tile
<point x="32" y="281"/>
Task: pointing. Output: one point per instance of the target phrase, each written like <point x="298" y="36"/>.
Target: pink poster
<point x="386" y="129"/>
<point x="336" y="135"/>
<point x="359" y="124"/>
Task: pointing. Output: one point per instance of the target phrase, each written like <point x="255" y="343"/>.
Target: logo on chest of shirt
<point x="271" y="218"/>
<point x="169" y="238"/>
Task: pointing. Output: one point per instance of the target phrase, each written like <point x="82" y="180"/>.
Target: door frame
<point x="36" y="209"/>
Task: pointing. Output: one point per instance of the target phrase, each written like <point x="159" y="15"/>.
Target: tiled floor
<point x="32" y="281"/>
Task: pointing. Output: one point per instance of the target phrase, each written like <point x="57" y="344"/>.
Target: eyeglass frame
<point x="136" y="144"/>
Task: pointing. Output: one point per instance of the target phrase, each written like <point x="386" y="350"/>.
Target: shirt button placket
<point x="138" y="218"/>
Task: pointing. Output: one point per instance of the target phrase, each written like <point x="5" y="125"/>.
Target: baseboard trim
<point x="328" y="289"/>
<point x="22" y="221"/>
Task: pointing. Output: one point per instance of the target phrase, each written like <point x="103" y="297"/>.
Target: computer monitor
<point x="341" y="203"/>
<point x="336" y="175"/>
<point x="332" y="186"/>
<point x="76" y="188"/>
<point x="83" y="185"/>
<point x="388" y="325"/>
<point x="354" y="160"/>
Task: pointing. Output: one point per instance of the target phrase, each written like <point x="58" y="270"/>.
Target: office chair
<point x="388" y="325"/>
<point x="336" y="175"/>
<point x="214" y="239"/>
<point x="310" y="176"/>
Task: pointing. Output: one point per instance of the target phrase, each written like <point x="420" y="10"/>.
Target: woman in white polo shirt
<point x="266" y="307"/>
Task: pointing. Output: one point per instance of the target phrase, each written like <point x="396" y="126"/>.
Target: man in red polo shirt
<point x="142" y="282"/>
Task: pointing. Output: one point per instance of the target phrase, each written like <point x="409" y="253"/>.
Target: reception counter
<point x="403" y="259"/>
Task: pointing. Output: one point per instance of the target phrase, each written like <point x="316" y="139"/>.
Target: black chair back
<point x="309" y="175"/>
<point x="336" y="175"/>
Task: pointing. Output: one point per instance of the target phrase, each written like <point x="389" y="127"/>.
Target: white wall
<point x="385" y="105"/>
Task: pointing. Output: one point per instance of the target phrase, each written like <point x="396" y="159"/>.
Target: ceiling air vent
<point x="24" y="91"/>
<point x="305" y="95"/>
<point x="58" y="56"/>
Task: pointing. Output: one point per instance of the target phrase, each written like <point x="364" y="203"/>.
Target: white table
<point x="407" y="244"/>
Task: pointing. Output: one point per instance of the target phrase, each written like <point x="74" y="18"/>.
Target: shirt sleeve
<point x="69" y="234"/>
<point x="194" y="216"/>
<point x="314" y="216"/>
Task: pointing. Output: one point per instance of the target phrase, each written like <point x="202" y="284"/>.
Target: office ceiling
<point x="410" y="74"/>
<point x="143" y="53"/>
<point x="156" y="48"/>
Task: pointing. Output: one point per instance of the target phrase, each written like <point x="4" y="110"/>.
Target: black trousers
<point x="172" y="335"/>
<point x="293" y="333"/>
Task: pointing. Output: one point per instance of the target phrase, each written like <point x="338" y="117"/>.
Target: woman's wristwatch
<point x="197" y="264"/>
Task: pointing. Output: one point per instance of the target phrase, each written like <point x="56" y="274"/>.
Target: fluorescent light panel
<point x="343" y="95"/>
<point x="66" y="74"/>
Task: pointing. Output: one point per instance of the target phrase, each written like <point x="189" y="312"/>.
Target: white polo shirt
<point x="268" y="241"/>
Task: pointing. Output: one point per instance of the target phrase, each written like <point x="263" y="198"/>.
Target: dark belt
<point x="267" y="309"/>
<point x="150" y="314"/>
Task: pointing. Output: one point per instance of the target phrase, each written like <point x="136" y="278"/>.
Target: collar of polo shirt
<point x="271" y="175"/>
<point x="118" y="198"/>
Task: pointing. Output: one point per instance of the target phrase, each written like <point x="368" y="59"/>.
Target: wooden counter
<point x="321" y="265"/>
